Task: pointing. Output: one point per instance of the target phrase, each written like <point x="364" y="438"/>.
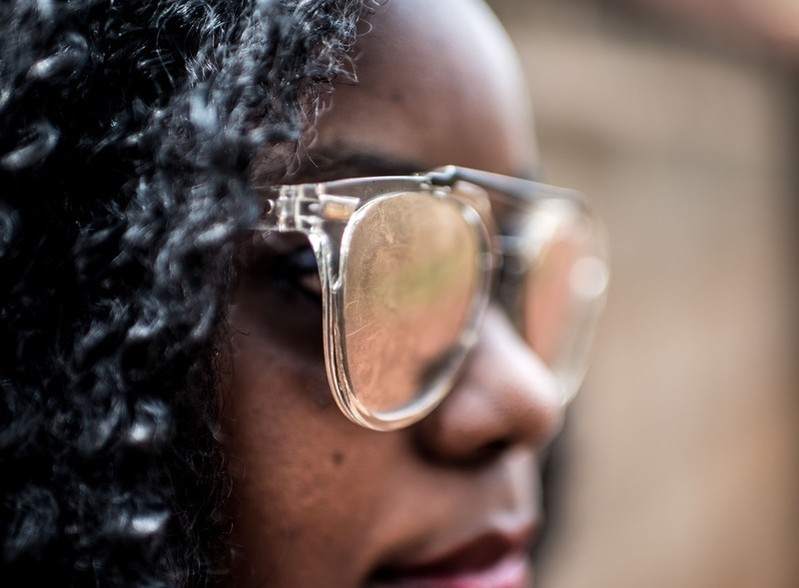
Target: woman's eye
<point x="278" y="293"/>
<point x="297" y="269"/>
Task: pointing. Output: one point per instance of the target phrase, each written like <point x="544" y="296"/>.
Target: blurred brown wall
<point x="680" y="462"/>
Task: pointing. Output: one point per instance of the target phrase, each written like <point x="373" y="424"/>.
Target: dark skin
<point x="318" y="500"/>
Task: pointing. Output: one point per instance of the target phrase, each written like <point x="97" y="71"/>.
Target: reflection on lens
<point x="408" y="287"/>
<point x="589" y="278"/>
<point x="549" y="300"/>
<point x="564" y="291"/>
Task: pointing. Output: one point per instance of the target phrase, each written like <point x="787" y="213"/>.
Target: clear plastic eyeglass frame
<point x="328" y="213"/>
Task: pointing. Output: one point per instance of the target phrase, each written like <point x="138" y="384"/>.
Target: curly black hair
<point x="128" y="134"/>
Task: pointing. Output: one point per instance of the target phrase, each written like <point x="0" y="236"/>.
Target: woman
<point x="168" y="416"/>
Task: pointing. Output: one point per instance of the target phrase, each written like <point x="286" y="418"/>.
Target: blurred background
<point x="679" y="465"/>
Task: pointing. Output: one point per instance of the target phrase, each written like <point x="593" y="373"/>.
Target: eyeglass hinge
<point x="294" y="209"/>
<point x="337" y="208"/>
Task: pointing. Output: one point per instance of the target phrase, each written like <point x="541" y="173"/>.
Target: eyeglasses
<point x="407" y="267"/>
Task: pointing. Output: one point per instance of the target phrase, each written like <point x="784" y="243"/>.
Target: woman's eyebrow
<point x="344" y="162"/>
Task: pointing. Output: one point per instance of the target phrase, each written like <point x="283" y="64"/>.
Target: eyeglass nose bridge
<point x="509" y="189"/>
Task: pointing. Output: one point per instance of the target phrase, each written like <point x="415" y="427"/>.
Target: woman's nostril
<point x="495" y="448"/>
<point x="488" y="453"/>
<point x="470" y="458"/>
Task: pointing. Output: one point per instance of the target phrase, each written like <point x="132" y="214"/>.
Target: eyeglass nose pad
<point x="479" y="200"/>
<point x="476" y="198"/>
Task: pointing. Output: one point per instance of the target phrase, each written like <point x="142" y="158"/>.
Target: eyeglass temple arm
<point x="519" y="188"/>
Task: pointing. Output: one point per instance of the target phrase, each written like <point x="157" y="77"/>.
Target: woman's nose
<point x="505" y="397"/>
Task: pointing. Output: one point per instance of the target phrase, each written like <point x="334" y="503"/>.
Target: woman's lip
<point x="491" y="560"/>
<point x="511" y="571"/>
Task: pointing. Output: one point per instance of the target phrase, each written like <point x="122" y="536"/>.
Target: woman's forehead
<point x="438" y="83"/>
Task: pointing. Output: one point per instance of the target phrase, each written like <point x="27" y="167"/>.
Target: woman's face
<point x="452" y="501"/>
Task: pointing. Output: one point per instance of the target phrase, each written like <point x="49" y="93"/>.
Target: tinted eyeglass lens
<point x="564" y="290"/>
<point x="410" y="280"/>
